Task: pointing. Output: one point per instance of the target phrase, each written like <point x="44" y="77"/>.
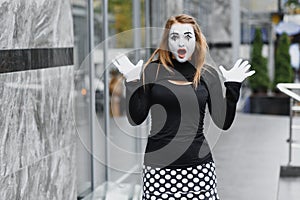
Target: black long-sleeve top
<point x="177" y="112"/>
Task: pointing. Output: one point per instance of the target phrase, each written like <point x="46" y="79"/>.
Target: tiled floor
<point x="248" y="159"/>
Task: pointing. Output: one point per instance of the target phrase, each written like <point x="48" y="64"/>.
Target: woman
<point x="175" y="88"/>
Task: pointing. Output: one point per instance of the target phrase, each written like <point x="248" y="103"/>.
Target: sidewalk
<point x="249" y="156"/>
<point x="248" y="159"/>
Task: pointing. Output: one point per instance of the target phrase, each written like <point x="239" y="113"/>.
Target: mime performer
<point x="175" y="85"/>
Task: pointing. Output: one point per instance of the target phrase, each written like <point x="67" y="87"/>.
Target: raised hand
<point x="130" y="71"/>
<point x="239" y="72"/>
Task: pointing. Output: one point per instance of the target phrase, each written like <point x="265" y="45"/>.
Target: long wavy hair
<point x="163" y="53"/>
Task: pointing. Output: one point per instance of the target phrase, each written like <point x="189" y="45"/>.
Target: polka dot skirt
<point x="190" y="183"/>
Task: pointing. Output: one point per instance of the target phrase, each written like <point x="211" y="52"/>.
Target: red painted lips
<point x="181" y="53"/>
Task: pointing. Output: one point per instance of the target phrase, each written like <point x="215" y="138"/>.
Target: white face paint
<point x="182" y="41"/>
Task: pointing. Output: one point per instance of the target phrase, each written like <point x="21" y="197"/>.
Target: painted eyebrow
<point x="189" y="33"/>
<point x="174" y="33"/>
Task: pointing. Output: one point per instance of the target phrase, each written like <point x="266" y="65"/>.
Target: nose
<point x="181" y="43"/>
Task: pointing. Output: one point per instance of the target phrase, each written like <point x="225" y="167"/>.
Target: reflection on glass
<point x="116" y="92"/>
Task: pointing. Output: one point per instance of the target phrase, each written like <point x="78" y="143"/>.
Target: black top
<point x="177" y="112"/>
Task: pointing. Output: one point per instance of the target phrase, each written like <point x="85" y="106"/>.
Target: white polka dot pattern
<point x="193" y="183"/>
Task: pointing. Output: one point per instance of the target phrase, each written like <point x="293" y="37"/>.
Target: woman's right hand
<point x="130" y="71"/>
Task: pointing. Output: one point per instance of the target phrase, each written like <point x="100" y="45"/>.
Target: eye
<point x="174" y="37"/>
<point x="188" y="37"/>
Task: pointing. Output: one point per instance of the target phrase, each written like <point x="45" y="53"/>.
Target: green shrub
<point x="260" y="81"/>
<point x="283" y="69"/>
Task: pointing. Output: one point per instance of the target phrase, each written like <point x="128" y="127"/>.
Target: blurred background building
<point x="64" y="133"/>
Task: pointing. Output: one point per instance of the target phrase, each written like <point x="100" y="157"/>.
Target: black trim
<point x="220" y="45"/>
<point x="14" y="60"/>
<point x="290" y="171"/>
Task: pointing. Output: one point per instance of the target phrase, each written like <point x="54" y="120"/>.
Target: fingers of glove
<point x="120" y="67"/>
<point x="246" y="68"/>
<point x="243" y="64"/>
<point x="116" y="63"/>
<point x="250" y="73"/>
<point x="222" y="69"/>
<point x="237" y="63"/>
<point x="123" y="64"/>
<point x="120" y="59"/>
<point x="139" y="67"/>
<point x="140" y="63"/>
<point x="123" y="60"/>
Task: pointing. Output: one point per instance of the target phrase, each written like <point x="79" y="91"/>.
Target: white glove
<point x="130" y="71"/>
<point x="238" y="73"/>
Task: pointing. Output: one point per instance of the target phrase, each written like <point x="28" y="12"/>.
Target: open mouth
<point x="181" y="53"/>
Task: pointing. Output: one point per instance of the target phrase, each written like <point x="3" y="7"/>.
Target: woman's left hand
<point x="239" y="72"/>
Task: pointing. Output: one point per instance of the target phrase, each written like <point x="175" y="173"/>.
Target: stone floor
<point x="248" y="159"/>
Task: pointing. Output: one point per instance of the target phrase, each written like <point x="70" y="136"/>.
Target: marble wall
<point x="215" y="17"/>
<point x="35" y="24"/>
<point x="37" y="132"/>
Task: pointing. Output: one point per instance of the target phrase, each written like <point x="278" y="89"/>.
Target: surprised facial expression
<point x="182" y="41"/>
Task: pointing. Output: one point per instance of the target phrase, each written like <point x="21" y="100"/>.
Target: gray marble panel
<point x="53" y="177"/>
<point x="35" y="24"/>
<point x="36" y="116"/>
<point x="215" y="20"/>
<point x="220" y="29"/>
<point x="222" y="56"/>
